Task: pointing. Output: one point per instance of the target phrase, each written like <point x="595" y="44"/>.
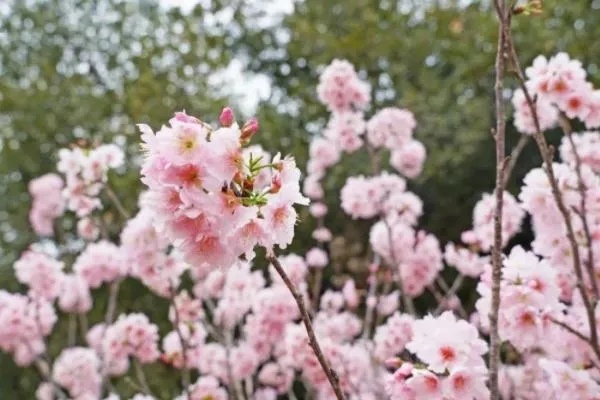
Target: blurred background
<point x="89" y="70"/>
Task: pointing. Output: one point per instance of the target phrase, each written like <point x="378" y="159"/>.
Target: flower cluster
<point x="559" y="85"/>
<point x="24" y="322"/>
<point x="47" y="203"/>
<point x="482" y="234"/>
<point x="41" y="273"/>
<point x="341" y="89"/>
<point x="99" y="263"/>
<point x="85" y="175"/>
<point x="393" y="128"/>
<point x="132" y="335"/>
<point x="414" y="255"/>
<point x="529" y="299"/>
<point x="454" y="367"/>
<point x="548" y="225"/>
<point x="77" y="369"/>
<point x="144" y="251"/>
<point x="368" y="197"/>
<point x="207" y="200"/>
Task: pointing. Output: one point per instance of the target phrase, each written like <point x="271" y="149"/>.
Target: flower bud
<point x="249" y="129"/>
<point x="393" y="362"/>
<point x="248" y="184"/>
<point x="226" y="118"/>
<point x="276" y="184"/>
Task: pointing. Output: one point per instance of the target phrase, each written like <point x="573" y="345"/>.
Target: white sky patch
<point x="185" y="5"/>
<point x="246" y="90"/>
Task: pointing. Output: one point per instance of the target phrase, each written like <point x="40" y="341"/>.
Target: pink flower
<point x="24" y="322"/>
<point x="344" y="130"/>
<point x="446" y="343"/>
<point x="318" y="210"/>
<point x="77" y="370"/>
<point x="340" y="89"/>
<point x="41" y="273"/>
<point x="350" y="294"/>
<point x="467" y="383"/>
<point x="391" y="127"/>
<point x="391" y="338"/>
<point x="465" y="261"/>
<point x="322" y="235"/>
<point x="47" y="204"/>
<point x="206" y="192"/>
<point x="75" y="295"/>
<point x="408" y="159"/>
<point x="317" y="258"/>
<point x="100" y="262"/>
<point x="87" y="229"/>
<point x="206" y="387"/>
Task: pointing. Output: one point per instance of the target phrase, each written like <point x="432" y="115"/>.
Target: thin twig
<point x="332" y="377"/>
<point x="580" y="335"/>
<point x="570" y="330"/>
<point x="108" y="319"/>
<point x="185" y="372"/>
<point x="566" y="127"/>
<point x="234" y="385"/>
<point x="72" y="333"/>
<point x="500" y="132"/>
<point x="115" y="199"/>
<point x="316" y="289"/>
<point x="141" y="377"/>
<point x="44" y="370"/>
<point x="407" y="301"/>
<point x="450" y="293"/>
<point x="83" y="326"/>
<point x="371" y="308"/>
<point x="41" y="362"/>
<point x="514" y="156"/>
<point x="112" y="302"/>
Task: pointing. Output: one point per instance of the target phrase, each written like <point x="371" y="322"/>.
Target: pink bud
<point x="183" y="117"/>
<point x="468" y="237"/>
<point x="373" y="267"/>
<point x="226" y="117"/>
<point x="249" y="128"/>
<point x="405" y="370"/>
<point x="453" y="303"/>
<point x="393" y="362"/>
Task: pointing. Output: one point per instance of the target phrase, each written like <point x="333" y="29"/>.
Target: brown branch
<point x="41" y="362"/>
<point x="449" y="293"/>
<point x="108" y="319"/>
<point x="141" y="377"/>
<point x="570" y="330"/>
<point x="44" y="371"/>
<point x="115" y="199"/>
<point x="547" y="153"/>
<point x="580" y="335"/>
<point x="371" y="294"/>
<point x="332" y="377"/>
<point x="407" y="301"/>
<point x="500" y="133"/>
<point x="514" y="156"/>
<point x="185" y="371"/>
<point x="566" y="127"/>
